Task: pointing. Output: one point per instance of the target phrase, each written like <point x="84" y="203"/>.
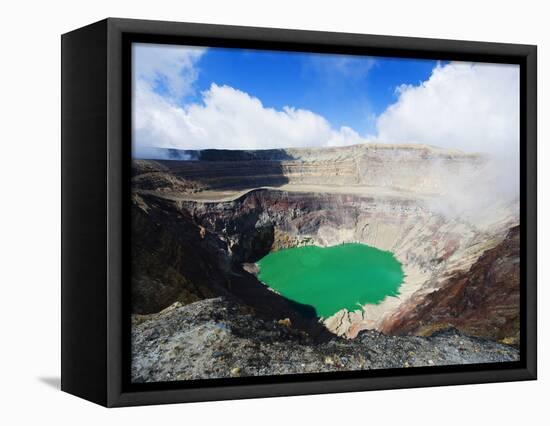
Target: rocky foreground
<point x="216" y="338"/>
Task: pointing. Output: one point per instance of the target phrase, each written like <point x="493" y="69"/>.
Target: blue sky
<point x="191" y="98"/>
<point x="346" y="90"/>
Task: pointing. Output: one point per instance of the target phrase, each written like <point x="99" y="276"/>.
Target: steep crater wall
<point x="383" y="197"/>
<point x="430" y="247"/>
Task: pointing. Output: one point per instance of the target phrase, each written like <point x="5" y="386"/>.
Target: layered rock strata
<point x="200" y="226"/>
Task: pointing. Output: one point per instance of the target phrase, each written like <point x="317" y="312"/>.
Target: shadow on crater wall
<point x="173" y="261"/>
<point x="229" y="174"/>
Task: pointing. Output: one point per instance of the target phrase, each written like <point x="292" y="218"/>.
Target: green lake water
<point x="332" y="278"/>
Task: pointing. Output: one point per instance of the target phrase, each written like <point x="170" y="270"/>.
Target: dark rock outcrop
<point x="170" y="260"/>
<point x="176" y="259"/>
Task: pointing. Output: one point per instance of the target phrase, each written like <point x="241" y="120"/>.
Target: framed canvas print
<point x="253" y="212"/>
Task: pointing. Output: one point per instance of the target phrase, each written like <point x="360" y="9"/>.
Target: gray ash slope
<point x="217" y="338"/>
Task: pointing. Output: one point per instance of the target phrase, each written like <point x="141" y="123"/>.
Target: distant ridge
<point x="289" y="154"/>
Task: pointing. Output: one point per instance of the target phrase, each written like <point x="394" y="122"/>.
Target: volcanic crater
<point x="201" y="220"/>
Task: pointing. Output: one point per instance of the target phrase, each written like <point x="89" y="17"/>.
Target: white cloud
<point x="171" y="66"/>
<point x="229" y="119"/>
<point x="470" y="107"/>
<point x="226" y="118"/>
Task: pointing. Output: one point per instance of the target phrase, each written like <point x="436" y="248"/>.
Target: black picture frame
<point x="96" y="131"/>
